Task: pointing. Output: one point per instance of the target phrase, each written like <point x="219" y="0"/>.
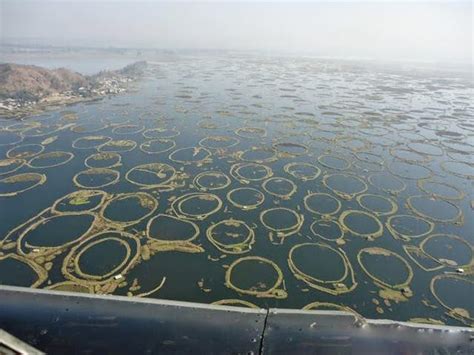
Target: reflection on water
<point x="252" y="181"/>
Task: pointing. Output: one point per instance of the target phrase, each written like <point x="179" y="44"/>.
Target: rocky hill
<point x="25" y="86"/>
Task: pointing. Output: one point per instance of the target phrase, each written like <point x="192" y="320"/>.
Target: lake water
<point x="255" y="181"/>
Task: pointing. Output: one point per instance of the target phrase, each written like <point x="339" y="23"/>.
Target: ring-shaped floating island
<point x="281" y="222"/>
<point x="377" y="204"/>
<point x="90" y="142"/>
<point x="406" y="227"/>
<point x="317" y="278"/>
<point x="10" y="165"/>
<point x="25" y="151"/>
<point x="251" y="132"/>
<point x="218" y="142"/>
<point x="280" y="187"/>
<point x="409" y="170"/>
<point x="159" y="176"/>
<point x="231" y="236"/>
<point x="247" y="172"/>
<point x="435" y="210"/>
<point x="290" y="149"/>
<point x="50" y="159"/>
<point x="322" y="204"/>
<point x="103" y="160"/>
<point x="191" y="155"/>
<point x="393" y="286"/>
<point x="79" y="202"/>
<point x="440" y="190"/>
<point x="329" y="230"/>
<point x="372" y="227"/>
<point x="334" y="162"/>
<point x="100" y="267"/>
<point x="157" y="146"/>
<point x="458" y="168"/>
<point x="245" y="198"/>
<point x="448" y="250"/>
<point x="161" y="133"/>
<point x="128" y="129"/>
<point x="96" y="178"/>
<point x="302" y="171"/>
<point x="165" y="228"/>
<point x="117" y="146"/>
<point x="24" y="182"/>
<point x="212" y="204"/>
<point x="346" y="186"/>
<point x="16" y="270"/>
<point x="9" y="138"/>
<point x="211" y="180"/>
<point x="254" y="267"/>
<point x="455" y="296"/>
<point x="258" y="155"/>
<point x="387" y="182"/>
<point x="126" y="209"/>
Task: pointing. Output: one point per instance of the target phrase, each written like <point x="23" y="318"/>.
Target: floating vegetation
<point x="79" y="202"/>
<point x="196" y="206"/>
<point x="8" y="166"/>
<point x="302" y="171"/>
<point x="50" y="160"/>
<point x="211" y="180"/>
<point x="288" y="150"/>
<point x="103" y="160"/>
<point x="235" y="303"/>
<point x="409" y="171"/>
<point x="387" y="183"/>
<point x="70" y="286"/>
<point x="328" y="306"/>
<point x="127" y="129"/>
<point x="258" y="155"/>
<point x="454" y="293"/>
<point x="97" y="260"/>
<point x="377" y="204"/>
<point x="361" y="224"/>
<point x="244" y="276"/>
<point x="90" y="142"/>
<point x="245" y="198"/>
<point x="329" y="230"/>
<point x="334" y="162"/>
<point x="168" y="229"/>
<point x="47" y="237"/>
<point x="231" y="236"/>
<point x="89" y="127"/>
<point x="309" y="263"/>
<point x="393" y="279"/>
<point x="247" y="172"/>
<point x="279" y="187"/>
<point x="161" y="133"/>
<point x="137" y="207"/>
<point x="251" y="132"/>
<point x="157" y="146"/>
<point x="407" y="227"/>
<point x="282" y="222"/>
<point x="344" y="185"/>
<point x="191" y="155"/>
<point x="16" y="184"/>
<point x="153" y="176"/>
<point x="16" y="270"/>
<point x="118" y="146"/>
<point x="440" y="190"/>
<point x="96" y="178"/>
<point x="218" y="142"/>
<point x="435" y="210"/>
<point x="459" y="168"/>
<point x="25" y="151"/>
<point x="322" y="204"/>
<point x="448" y="250"/>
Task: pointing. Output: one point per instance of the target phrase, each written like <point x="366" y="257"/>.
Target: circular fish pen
<point x="218" y="142"/>
<point x="79" y="202"/>
<point x="344" y="185"/>
<point x="245" y="198"/>
<point x="168" y="229"/>
<point x="103" y="160"/>
<point x="183" y="205"/>
<point x="377" y="204"/>
<point x="253" y="268"/>
<point x="281" y="222"/>
<point x="361" y="224"/>
<point x="317" y="277"/>
<point x="90" y="142"/>
<point x="117" y="146"/>
<point x="334" y="162"/>
<point x="387" y="182"/>
<point x="448" y="250"/>
<point x="251" y="132"/>
<point x="161" y="133"/>
<point x="191" y="155"/>
<point x="50" y="160"/>
<point x="302" y="171"/>
<point x="322" y="204"/>
<point x="329" y="230"/>
<point x="258" y="155"/>
<point x="157" y="146"/>
<point x="211" y="180"/>
<point x="96" y="178"/>
<point x="231" y="236"/>
<point x="435" y="210"/>
<point x="406" y="227"/>
<point x="8" y="166"/>
<point x="153" y="176"/>
<point x="440" y="190"/>
<point x="247" y="172"/>
<point x="279" y="187"/>
<point x="16" y="184"/>
<point x="127" y="129"/>
<point x="16" y="270"/>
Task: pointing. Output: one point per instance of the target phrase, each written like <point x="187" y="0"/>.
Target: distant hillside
<point x="29" y="82"/>
<point x="24" y="88"/>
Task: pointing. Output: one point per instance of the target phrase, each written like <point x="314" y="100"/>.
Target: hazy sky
<point x="435" y="31"/>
